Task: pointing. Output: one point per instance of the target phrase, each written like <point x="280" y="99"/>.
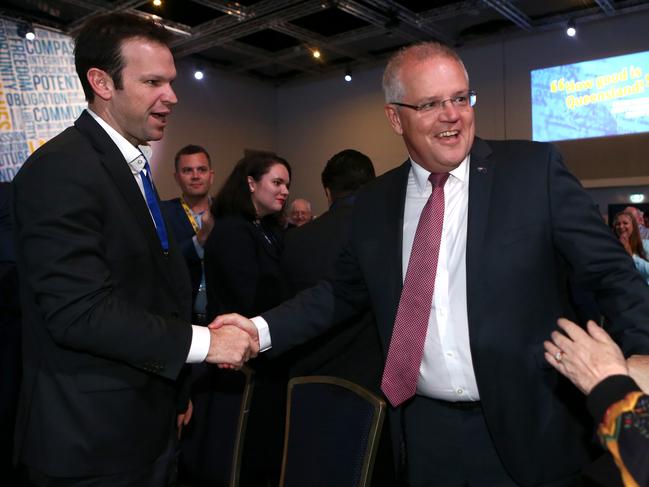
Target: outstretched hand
<point x="241" y="341"/>
<point x="230" y="347"/>
<point x="586" y="357"/>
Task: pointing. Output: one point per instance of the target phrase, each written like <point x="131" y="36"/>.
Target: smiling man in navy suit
<point x="510" y="225"/>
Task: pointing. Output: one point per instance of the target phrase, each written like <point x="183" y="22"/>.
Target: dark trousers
<point x="449" y="445"/>
<point x="161" y="473"/>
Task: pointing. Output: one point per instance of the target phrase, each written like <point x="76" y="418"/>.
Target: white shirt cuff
<point x="264" y="333"/>
<point x="200" y="345"/>
<point x="198" y="248"/>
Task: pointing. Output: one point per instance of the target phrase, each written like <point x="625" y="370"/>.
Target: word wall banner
<point x="40" y="93"/>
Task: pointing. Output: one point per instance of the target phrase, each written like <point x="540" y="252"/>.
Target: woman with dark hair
<point x="242" y="275"/>
<point x="626" y="229"/>
<point x="242" y="260"/>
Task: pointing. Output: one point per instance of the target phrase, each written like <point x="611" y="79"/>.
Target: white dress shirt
<point x="135" y="158"/>
<point x="446" y="370"/>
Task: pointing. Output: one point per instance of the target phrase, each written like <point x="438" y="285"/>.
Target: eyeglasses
<point x="461" y="101"/>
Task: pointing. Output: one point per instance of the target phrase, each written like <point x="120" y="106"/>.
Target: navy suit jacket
<point x="351" y="349"/>
<point x="105" y="311"/>
<point x="184" y="233"/>
<point x="530" y="225"/>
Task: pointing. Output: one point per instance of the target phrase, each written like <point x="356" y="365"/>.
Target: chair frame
<point x="237" y="452"/>
<point x="378" y="416"/>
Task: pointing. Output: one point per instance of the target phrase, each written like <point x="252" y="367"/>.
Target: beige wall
<point x="225" y="114"/>
<point x="307" y="122"/>
<point x="318" y="119"/>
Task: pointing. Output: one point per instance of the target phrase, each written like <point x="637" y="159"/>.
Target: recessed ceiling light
<point x="571" y="31"/>
<point x="636" y="198"/>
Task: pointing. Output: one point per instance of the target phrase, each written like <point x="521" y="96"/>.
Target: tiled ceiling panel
<point x="182" y="11"/>
<point x="273" y="40"/>
<point x="330" y="22"/>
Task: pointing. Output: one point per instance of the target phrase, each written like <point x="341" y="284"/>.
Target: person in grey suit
<point x="484" y="407"/>
<point x="105" y="293"/>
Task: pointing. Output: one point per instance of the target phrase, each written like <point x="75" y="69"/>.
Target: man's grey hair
<point x="392" y="85"/>
<point x="301" y="200"/>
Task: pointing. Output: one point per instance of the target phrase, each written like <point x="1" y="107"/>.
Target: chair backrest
<point x="211" y="448"/>
<point x="332" y="432"/>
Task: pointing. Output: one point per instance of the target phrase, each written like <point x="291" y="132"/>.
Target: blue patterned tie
<point x="154" y="207"/>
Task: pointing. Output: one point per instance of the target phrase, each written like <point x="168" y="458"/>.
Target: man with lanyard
<point x="190" y="218"/>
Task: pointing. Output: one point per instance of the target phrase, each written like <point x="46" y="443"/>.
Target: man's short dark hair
<point x="188" y="150"/>
<point x="99" y="45"/>
<point x="347" y="171"/>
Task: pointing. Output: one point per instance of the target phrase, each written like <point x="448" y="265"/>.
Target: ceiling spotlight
<point x="636" y="198"/>
<point x="316" y="53"/>
<point x="198" y="74"/>
<point x="348" y="75"/>
<point x="157" y="3"/>
<point x="571" y="31"/>
<point x="26" y="30"/>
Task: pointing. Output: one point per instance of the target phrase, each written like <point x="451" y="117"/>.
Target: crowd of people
<point x="437" y="285"/>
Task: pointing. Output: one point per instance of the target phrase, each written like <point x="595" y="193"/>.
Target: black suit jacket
<point x="530" y="224"/>
<point x="242" y="267"/>
<point x="104" y="311"/>
<point x="351" y="349"/>
<point x="184" y="233"/>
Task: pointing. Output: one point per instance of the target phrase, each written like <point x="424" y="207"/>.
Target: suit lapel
<point x="396" y="205"/>
<point x="114" y="163"/>
<point x="268" y="241"/>
<point x="179" y="216"/>
<point x="482" y="169"/>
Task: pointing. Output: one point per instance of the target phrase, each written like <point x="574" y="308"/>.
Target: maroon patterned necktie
<point x="401" y="371"/>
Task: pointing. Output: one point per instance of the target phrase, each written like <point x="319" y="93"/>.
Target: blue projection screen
<point x="591" y="99"/>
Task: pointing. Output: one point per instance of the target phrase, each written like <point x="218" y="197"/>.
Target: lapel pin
<point x="482" y="169"/>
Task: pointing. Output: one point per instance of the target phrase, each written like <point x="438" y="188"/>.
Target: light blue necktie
<point x="154" y="207"/>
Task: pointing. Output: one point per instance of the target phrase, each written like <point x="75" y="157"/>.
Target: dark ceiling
<point x="273" y="40"/>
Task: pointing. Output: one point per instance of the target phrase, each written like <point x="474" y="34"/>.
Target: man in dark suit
<point x="299" y="213"/>
<point x="190" y="217"/>
<point x="105" y="293"/>
<point x="507" y="224"/>
<point x="350" y="350"/>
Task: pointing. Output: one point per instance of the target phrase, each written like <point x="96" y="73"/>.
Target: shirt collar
<point x="421" y="175"/>
<point x="136" y="157"/>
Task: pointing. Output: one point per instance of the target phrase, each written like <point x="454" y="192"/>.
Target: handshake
<point x="233" y="341"/>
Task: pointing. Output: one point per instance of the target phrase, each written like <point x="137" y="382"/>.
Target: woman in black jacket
<point x="242" y="276"/>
